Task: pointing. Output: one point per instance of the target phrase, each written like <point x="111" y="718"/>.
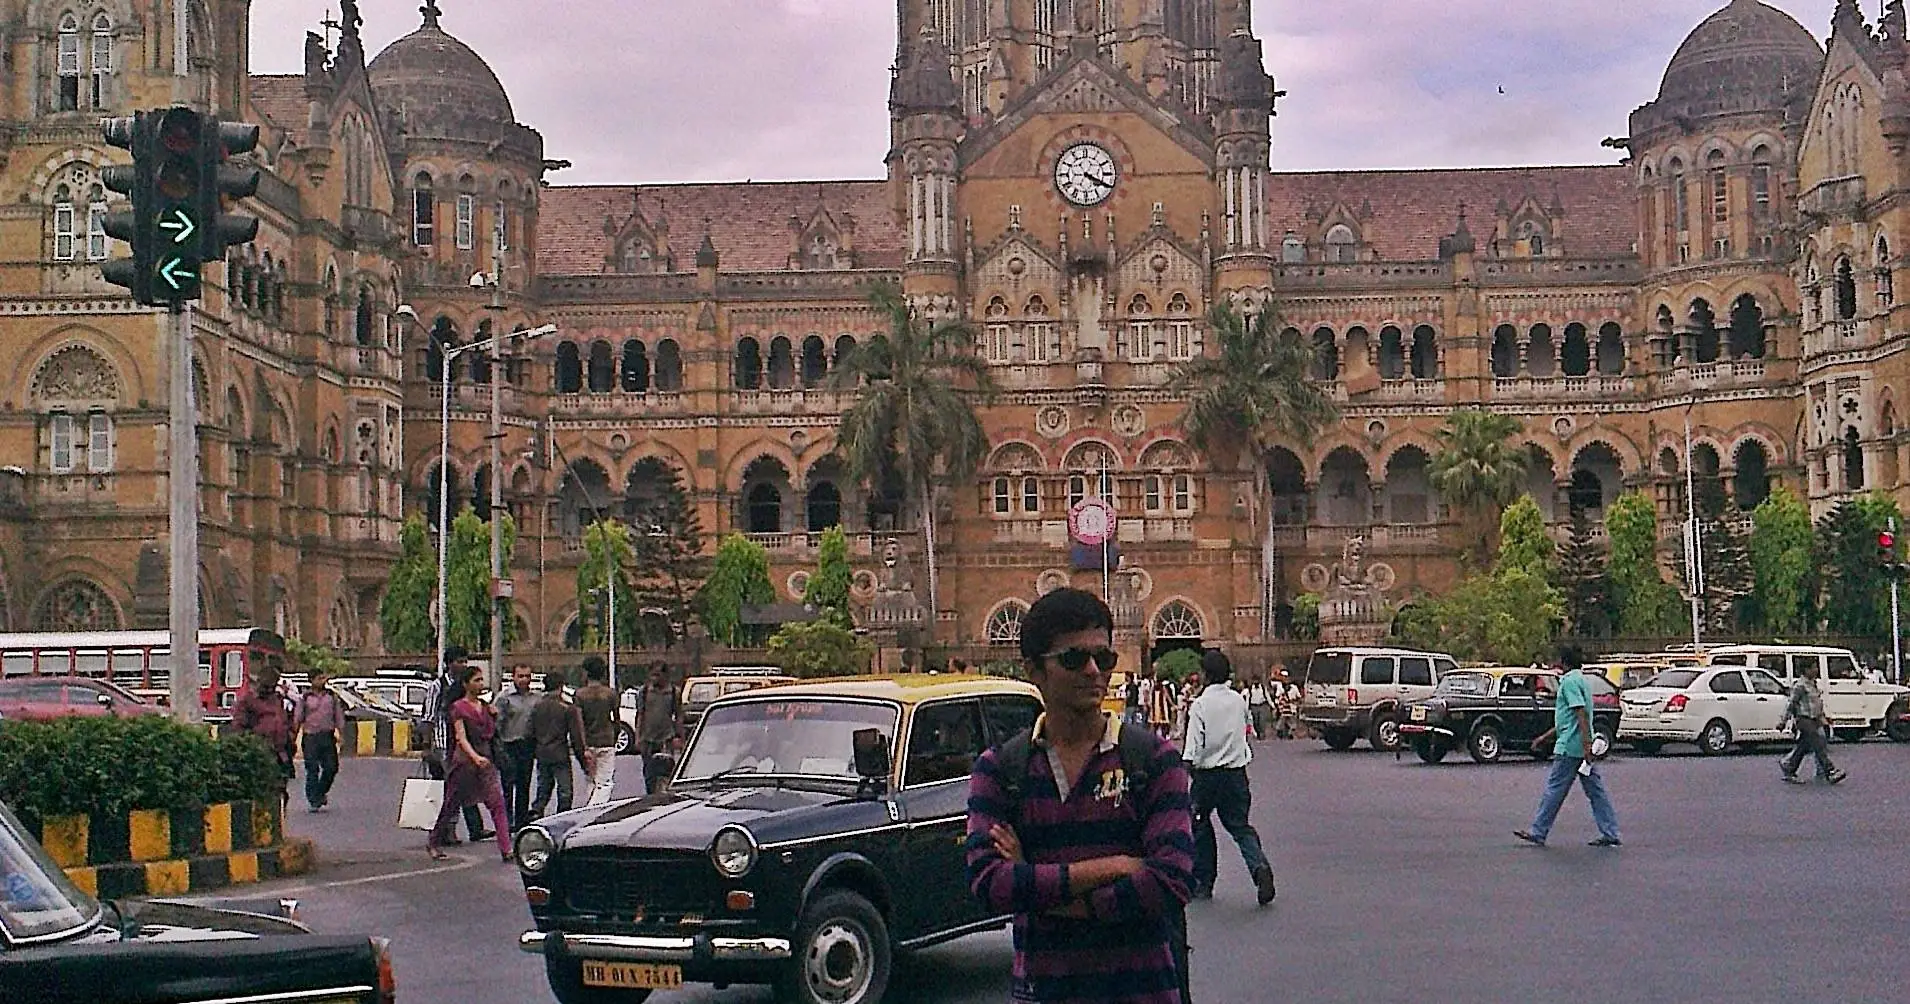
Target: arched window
<point x="603" y="370"/>
<point x="1326" y="355"/>
<point x="1425" y="353"/>
<point x="1747" y="328"/>
<point x="1886" y="285"/>
<point x="1534" y="237"/>
<point x="102" y="58"/>
<point x="1853" y="460"/>
<point x="1341" y="244"/>
<point x="1680" y="220"/>
<point x="636" y="367"/>
<point x="65" y="238"/>
<point x="1751" y="484"/>
<point x="362" y="321"/>
<point x="1293" y="249"/>
<point x="1704" y="332"/>
<point x="1505" y="351"/>
<point x="1177" y="620"/>
<point x="1392" y="353"/>
<point x="669" y="369"/>
<point x="481" y="358"/>
<point x="748" y="364"/>
<point x="67" y="89"/>
<point x="76" y="605"/>
<point x="1846" y="290"/>
<point x="424" y="211"/>
<point x="1575" y="356"/>
<point x="570" y="368"/>
<point x="765" y="509"/>
<point x="443" y="336"/>
<point x="815" y="361"/>
<point x="782" y="364"/>
<point x="823" y="506"/>
<point x="1611" y="349"/>
<point x="1720" y="187"/>
<point x="1004" y="623"/>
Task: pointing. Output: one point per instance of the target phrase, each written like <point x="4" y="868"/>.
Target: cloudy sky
<point x="718" y="90"/>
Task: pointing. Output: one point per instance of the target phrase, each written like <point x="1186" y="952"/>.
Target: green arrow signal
<point x="181" y="223"/>
<point x="175" y="272"/>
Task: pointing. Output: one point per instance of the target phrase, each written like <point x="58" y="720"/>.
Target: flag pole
<point x="1100" y="488"/>
<point x="1694" y="544"/>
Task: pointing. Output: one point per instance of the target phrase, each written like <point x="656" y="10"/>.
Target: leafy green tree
<point x="1647" y="606"/>
<point x="1250" y="391"/>
<point x="1509" y="616"/>
<point x="1583" y="582"/>
<point x="404" y="613"/>
<point x="819" y="648"/>
<point x="607" y="545"/>
<point x="739" y="578"/>
<point x="1523" y="541"/>
<point x="1781" y="559"/>
<point x="1306" y="617"/>
<point x="668" y="565"/>
<point x="828" y="590"/>
<point x="1478" y="470"/>
<point x="914" y="415"/>
<point x="1856" y="593"/>
<point x="1726" y="567"/>
<point x="468" y="580"/>
<point x="1177" y="665"/>
<point x="316" y="658"/>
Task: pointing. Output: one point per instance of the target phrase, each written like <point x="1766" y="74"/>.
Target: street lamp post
<point x="446" y="355"/>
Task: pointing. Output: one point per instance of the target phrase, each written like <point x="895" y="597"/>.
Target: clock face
<point x="1085" y="174"/>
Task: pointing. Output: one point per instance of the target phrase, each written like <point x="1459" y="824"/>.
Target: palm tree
<point x="1254" y="390"/>
<point x="1479" y="470"/>
<point x="914" y="416"/>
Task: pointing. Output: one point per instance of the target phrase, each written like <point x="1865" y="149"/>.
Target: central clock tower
<point x="1081" y="181"/>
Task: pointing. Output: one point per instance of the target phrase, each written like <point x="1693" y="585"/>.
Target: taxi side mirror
<point x="872" y="754"/>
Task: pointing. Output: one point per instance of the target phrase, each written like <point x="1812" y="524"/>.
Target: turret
<point x="1243" y="147"/>
<point x="926" y="110"/>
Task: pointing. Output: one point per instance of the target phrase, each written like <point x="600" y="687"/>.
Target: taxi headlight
<point x="534" y="848"/>
<point x="733" y="852"/>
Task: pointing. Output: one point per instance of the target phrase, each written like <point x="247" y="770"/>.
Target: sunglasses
<point x="1074" y="660"/>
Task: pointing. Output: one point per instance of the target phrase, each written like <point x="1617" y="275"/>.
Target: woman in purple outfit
<point x="470" y="776"/>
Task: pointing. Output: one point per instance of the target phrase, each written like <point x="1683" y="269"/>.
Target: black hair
<point x="554" y="682"/>
<point x="1571" y="657"/>
<point x="460" y="682"/>
<point x="454" y="654"/>
<point x="595" y="668"/>
<point x="1062" y="611"/>
<point x="1215" y="667"/>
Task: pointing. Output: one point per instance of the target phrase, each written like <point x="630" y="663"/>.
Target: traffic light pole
<point x="183" y="485"/>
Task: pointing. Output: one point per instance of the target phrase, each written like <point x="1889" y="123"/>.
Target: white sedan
<point x="1714" y="707"/>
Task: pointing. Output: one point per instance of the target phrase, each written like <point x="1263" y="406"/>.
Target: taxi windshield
<point x="1464" y="685"/>
<point x="803" y="737"/>
<point x="36" y="898"/>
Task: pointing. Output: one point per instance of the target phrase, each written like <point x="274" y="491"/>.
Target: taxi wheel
<point x="1431" y="750"/>
<point x="842" y="953"/>
<point x="1486" y="744"/>
<point x="567" y="985"/>
<point x="626" y="740"/>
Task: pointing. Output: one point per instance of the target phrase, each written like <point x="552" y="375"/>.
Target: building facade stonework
<point x="1080" y="181"/>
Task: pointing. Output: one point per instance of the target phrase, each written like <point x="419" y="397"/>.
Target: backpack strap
<point x="1013" y="755"/>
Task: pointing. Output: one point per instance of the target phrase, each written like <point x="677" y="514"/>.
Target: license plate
<point x="633" y="976"/>
<point x="1419" y="714"/>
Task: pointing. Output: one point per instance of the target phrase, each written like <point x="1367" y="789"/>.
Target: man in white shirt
<point x="1218" y="755"/>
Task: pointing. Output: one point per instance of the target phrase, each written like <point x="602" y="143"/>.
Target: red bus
<point x="141" y="661"/>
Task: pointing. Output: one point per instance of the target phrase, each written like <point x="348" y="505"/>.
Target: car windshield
<point x="795" y="737"/>
<point x="36" y="898"/>
<point x="1329" y="668"/>
<point x="1464" y="685"/>
<point x="1674" y="679"/>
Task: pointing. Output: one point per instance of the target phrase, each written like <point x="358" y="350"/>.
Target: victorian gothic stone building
<point x="1081" y="180"/>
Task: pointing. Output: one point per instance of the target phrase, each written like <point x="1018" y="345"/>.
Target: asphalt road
<point x="1398" y="882"/>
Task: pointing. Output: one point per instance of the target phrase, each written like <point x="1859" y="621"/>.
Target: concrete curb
<point x="151" y="852"/>
<point x="179" y="876"/>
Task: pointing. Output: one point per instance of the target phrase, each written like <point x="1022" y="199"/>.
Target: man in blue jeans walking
<point x="1217" y="754"/>
<point x="1570" y="734"/>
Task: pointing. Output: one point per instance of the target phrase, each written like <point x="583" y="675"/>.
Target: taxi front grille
<point x="647" y="884"/>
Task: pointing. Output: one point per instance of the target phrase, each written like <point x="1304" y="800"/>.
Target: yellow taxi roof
<point x="905" y="688"/>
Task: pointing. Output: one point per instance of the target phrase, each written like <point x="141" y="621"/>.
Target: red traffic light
<point x="1886" y="539"/>
<point x="179" y="131"/>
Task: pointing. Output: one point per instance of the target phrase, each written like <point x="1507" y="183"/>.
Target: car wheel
<point x="1715" y="738"/>
<point x="626" y="740"/>
<point x="1648" y="747"/>
<point x="1486" y="744"/>
<point x="1338" y="739"/>
<point x="567" y="985"/>
<point x="1898" y="718"/>
<point x="842" y="953"/>
<point x="1431" y="750"/>
<point x="1384" y="734"/>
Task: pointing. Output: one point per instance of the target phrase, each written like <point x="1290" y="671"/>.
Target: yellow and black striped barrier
<point x="382" y="737"/>
<point x="150" y="852"/>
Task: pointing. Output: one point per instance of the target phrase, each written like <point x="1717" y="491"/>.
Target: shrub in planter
<point x="1177" y="665"/>
<point x="107" y="767"/>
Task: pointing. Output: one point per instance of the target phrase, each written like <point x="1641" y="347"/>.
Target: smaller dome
<point x="1748" y="57"/>
<point x="441" y="87"/>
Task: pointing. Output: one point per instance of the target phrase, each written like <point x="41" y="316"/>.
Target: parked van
<point x="1857" y="702"/>
<point x="1353" y="693"/>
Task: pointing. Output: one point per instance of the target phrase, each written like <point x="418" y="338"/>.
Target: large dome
<point x="440" y="86"/>
<point x="1748" y="57"/>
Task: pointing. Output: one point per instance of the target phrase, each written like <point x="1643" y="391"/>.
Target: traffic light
<point x="1887" y="559"/>
<point x="177" y="212"/>
<point x="134" y="134"/>
<point x="220" y="180"/>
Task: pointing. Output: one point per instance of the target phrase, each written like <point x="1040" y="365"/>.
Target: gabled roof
<point x="280" y="97"/>
<point x="748" y="222"/>
<point x="1085" y="83"/>
<point x="1412" y="210"/>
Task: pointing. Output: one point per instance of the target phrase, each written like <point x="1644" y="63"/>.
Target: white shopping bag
<point x="419" y="808"/>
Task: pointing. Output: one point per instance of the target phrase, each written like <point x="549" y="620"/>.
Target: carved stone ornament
<point x="76" y="373"/>
<point x="1050" y="580"/>
<point x="1052" y="421"/>
<point x="1315" y="578"/>
<point x="1130" y="420"/>
<point x="798" y="584"/>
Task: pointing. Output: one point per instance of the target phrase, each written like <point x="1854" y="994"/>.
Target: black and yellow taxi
<point x="1490" y="710"/>
<point x="811" y="831"/>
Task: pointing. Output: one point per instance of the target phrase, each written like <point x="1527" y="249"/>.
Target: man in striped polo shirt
<point x="1094" y="866"/>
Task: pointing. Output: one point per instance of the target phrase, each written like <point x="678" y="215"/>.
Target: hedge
<point x="106" y="767"/>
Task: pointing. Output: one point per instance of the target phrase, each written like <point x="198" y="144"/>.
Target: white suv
<point x="1354" y="693"/>
<point x="1856" y="703"/>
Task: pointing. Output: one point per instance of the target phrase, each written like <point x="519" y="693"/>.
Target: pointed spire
<point x="926" y="82"/>
<point x="350" y="20"/>
<point x="706" y="256"/>
<point x="1849" y="22"/>
<point x="1894" y="25"/>
<point x="431" y="14"/>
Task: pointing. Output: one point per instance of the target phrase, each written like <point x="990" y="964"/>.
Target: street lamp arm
<point x="499" y="340"/>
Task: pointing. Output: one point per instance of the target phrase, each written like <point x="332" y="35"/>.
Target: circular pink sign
<point x="1092" y="521"/>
